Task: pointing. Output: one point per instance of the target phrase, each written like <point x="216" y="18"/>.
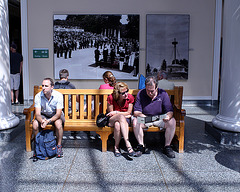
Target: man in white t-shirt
<point x="163" y="83"/>
<point x="48" y="110"/>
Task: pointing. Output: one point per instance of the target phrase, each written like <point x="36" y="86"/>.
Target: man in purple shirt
<point x="153" y="101"/>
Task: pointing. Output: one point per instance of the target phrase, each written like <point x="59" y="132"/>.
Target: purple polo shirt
<point x="161" y="104"/>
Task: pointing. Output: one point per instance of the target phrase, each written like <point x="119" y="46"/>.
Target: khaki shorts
<point x="15" y="81"/>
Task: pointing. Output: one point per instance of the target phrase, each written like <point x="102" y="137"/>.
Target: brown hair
<point x="110" y="77"/>
<point x="63" y="73"/>
<point x="117" y="89"/>
<point x="49" y="79"/>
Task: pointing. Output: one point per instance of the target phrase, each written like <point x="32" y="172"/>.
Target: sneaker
<point x="59" y="151"/>
<point x="169" y="152"/>
<point x="140" y="150"/>
<point x="34" y="157"/>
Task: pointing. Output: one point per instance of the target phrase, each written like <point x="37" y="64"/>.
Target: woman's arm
<point x="111" y="112"/>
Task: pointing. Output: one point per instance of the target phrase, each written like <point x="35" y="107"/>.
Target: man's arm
<point x="21" y="65"/>
<point x="39" y="118"/>
<point x="38" y="115"/>
<point x="139" y="114"/>
<point x="56" y="116"/>
<point x="138" y="107"/>
<point x="167" y="106"/>
<point x="169" y="116"/>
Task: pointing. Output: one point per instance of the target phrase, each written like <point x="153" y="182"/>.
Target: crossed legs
<point x="121" y="128"/>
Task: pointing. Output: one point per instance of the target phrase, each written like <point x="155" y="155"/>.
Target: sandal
<point x="131" y="153"/>
<point x="117" y="152"/>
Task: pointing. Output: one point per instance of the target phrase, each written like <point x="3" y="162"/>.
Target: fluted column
<point x="7" y="118"/>
<point x="229" y="110"/>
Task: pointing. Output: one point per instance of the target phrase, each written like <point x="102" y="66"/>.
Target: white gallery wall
<point x="201" y="37"/>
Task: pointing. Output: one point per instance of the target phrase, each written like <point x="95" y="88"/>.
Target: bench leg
<point x="178" y="142"/>
<point x="104" y="137"/>
<point x="28" y="140"/>
<point x="181" y="138"/>
<point x="181" y="145"/>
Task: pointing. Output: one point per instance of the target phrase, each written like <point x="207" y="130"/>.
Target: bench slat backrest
<point x="94" y="101"/>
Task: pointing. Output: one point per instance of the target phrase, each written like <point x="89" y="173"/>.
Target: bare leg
<point x="35" y="128"/>
<point x="16" y="95"/>
<point x="59" y="131"/>
<point x="170" y="131"/>
<point x="138" y="131"/>
<point x="117" y="134"/>
<point x="12" y="98"/>
<point x="122" y="128"/>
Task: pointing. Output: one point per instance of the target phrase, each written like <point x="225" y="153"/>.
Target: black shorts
<point x="129" y="121"/>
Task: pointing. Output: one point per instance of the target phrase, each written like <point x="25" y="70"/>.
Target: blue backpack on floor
<point x="46" y="145"/>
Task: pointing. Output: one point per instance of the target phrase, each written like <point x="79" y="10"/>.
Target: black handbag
<point x="102" y="120"/>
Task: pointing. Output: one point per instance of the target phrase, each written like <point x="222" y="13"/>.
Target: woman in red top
<point x="120" y="105"/>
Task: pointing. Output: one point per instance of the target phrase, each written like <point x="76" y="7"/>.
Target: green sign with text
<point x="40" y="53"/>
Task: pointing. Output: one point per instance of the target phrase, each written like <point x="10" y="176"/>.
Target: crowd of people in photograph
<point x="109" y="51"/>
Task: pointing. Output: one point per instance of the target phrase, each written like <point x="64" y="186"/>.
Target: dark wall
<point x="15" y="33"/>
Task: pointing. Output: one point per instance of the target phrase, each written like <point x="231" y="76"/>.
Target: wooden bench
<point x="83" y="115"/>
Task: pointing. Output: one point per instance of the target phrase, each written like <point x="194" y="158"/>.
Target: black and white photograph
<point x="89" y="45"/>
<point x="168" y="45"/>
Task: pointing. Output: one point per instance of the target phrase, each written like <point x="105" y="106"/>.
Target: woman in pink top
<point x="119" y="107"/>
<point x="109" y="80"/>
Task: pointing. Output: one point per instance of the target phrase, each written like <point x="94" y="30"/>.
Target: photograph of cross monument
<point x="168" y="45"/>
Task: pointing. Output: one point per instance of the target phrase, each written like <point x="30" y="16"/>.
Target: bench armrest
<point x="29" y="112"/>
<point x="178" y="114"/>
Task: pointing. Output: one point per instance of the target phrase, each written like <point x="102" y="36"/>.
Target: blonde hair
<point x="117" y="89"/>
<point x="110" y="77"/>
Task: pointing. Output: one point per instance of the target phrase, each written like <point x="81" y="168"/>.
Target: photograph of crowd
<point x="89" y="45"/>
<point x="168" y="45"/>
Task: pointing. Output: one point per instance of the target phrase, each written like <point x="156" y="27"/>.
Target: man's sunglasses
<point x="123" y="93"/>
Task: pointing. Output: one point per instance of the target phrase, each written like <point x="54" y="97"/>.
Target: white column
<point x="7" y="118"/>
<point x="24" y="32"/>
<point x="229" y="110"/>
<point x="217" y="45"/>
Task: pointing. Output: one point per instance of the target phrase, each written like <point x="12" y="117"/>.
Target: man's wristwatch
<point x="49" y="121"/>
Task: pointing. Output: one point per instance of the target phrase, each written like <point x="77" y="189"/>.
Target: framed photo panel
<point x="168" y="45"/>
<point x="89" y="45"/>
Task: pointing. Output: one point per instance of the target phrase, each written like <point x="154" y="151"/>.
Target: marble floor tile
<point x="204" y="166"/>
<point x="117" y="181"/>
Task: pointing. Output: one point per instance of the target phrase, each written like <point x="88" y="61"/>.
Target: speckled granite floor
<point x="204" y="166"/>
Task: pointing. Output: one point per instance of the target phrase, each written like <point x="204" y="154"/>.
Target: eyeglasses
<point x="151" y="91"/>
<point x="45" y="85"/>
<point x="123" y="93"/>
